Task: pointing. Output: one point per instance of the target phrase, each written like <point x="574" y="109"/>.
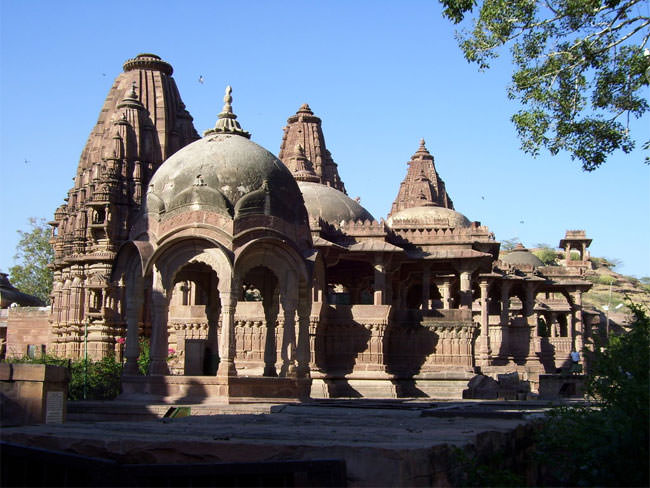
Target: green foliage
<point x="607" y="445"/>
<point x="606" y="280"/>
<point x="546" y="255"/>
<point x="102" y="378"/>
<point x="579" y="69"/>
<point x="33" y="253"/>
<point x="485" y="472"/>
<point x="145" y="355"/>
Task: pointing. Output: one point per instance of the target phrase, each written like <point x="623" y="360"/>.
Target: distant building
<point x="257" y="275"/>
<point x="29" y="334"/>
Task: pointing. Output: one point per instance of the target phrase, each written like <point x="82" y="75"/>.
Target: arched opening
<point x="193" y="321"/>
<point x="256" y="323"/>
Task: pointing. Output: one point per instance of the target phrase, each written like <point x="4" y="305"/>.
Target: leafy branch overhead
<point x="579" y="69"/>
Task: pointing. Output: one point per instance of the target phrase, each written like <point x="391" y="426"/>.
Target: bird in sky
<point x="201" y="79"/>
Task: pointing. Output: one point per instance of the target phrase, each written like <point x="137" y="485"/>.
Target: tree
<point x="607" y="445"/>
<point x="510" y="244"/>
<point x="579" y="68"/>
<point x="33" y="253"/>
<point x="546" y="255"/>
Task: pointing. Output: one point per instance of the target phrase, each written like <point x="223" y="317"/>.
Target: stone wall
<point x="27" y="326"/>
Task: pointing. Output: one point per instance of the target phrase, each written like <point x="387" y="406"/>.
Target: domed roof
<point x="520" y="256"/>
<point x="428" y="216"/>
<point x="227" y="173"/>
<point x="330" y="204"/>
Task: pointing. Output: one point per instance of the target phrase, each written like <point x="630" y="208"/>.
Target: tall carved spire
<point x="142" y="123"/>
<point x="227" y="121"/>
<point x="422" y="186"/>
<point x="304" y="130"/>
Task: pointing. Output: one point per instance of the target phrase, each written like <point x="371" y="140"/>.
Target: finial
<point x="422" y="151"/>
<point x="226" y="122"/>
<point x="305" y="109"/>
<point x="227" y="100"/>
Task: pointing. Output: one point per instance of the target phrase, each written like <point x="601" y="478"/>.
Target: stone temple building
<point x="257" y="276"/>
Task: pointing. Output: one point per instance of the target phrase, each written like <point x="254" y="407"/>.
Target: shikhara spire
<point x="422" y="186"/>
<point x="304" y="131"/>
<point x="227" y="123"/>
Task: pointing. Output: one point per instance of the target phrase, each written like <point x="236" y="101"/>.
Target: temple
<point x="253" y="275"/>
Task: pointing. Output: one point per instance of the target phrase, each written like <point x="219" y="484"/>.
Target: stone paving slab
<point x="383" y="445"/>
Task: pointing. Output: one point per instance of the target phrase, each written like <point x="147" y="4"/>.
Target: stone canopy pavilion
<point x="258" y="276"/>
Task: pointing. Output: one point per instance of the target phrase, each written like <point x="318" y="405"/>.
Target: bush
<point x="546" y="255"/>
<point x="145" y="355"/>
<point x="605" y="444"/>
<point x="606" y="280"/>
<point x="102" y="378"/>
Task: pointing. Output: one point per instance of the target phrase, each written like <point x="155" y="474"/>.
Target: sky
<point x="381" y="75"/>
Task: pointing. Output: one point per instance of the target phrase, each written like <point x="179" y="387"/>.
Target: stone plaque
<point x="54" y="407"/>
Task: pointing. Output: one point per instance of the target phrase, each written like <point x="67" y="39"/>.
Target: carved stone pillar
<point x="484" y="339"/>
<point x="578" y="341"/>
<point x="552" y="324"/>
<point x="446" y="294"/>
<point x="380" y="280"/>
<point x="134" y="303"/>
<point x="529" y="312"/>
<point x="227" y="339"/>
<point x="288" y="350"/>
<point x="302" y="351"/>
<point x="567" y="255"/>
<point x="465" y="289"/>
<point x="270" y="303"/>
<point x="159" y="313"/>
<point x="426" y="288"/>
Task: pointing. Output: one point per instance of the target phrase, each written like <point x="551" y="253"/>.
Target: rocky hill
<point x="611" y="289"/>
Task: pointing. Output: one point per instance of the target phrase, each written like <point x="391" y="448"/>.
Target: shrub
<point x="607" y="445"/>
<point x="606" y="280"/>
<point x="547" y="256"/>
<point x="102" y="378"/>
<point x="145" y="355"/>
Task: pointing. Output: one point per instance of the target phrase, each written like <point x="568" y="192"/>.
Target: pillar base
<point x="158" y="368"/>
<point x="131" y="367"/>
<point x="226" y="368"/>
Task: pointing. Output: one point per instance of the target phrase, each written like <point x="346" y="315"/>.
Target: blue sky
<point x="380" y="74"/>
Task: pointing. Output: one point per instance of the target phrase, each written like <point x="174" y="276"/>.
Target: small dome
<point x="330" y="204"/>
<point x="217" y="171"/>
<point x="428" y="216"/>
<point x="520" y="256"/>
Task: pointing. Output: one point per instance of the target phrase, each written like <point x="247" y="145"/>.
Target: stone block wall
<point x="27" y="326"/>
<point x="32" y="394"/>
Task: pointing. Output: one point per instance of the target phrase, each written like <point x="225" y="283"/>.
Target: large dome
<point x="330" y="204"/>
<point x="227" y="173"/>
<point x="428" y="216"/>
<point x="520" y="256"/>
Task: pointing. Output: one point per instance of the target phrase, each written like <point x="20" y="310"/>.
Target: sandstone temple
<point x="252" y="275"/>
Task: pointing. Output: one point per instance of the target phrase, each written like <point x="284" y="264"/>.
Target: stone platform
<point x="384" y="443"/>
<point x="226" y="389"/>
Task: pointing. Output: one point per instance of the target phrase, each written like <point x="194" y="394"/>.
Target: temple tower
<point x="142" y="122"/>
<point x="303" y="149"/>
<point x="422" y="186"/>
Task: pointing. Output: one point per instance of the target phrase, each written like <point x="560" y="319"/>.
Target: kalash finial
<point x="227" y="123"/>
